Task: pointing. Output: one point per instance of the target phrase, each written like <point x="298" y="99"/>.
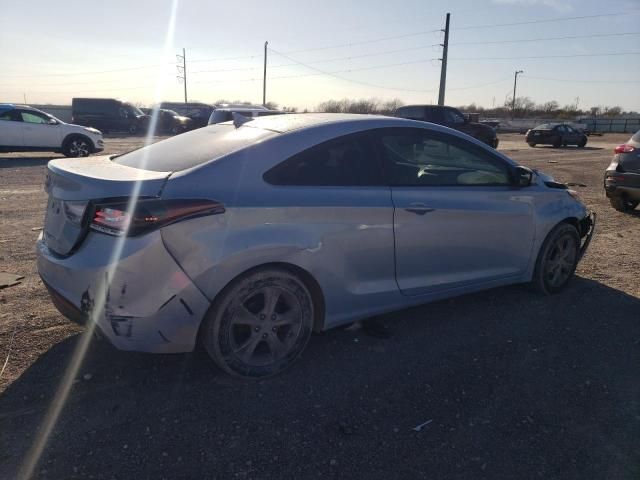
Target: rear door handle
<point x="419" y="208"/>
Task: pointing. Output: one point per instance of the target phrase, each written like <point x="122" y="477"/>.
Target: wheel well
<point x="309" y="281"/>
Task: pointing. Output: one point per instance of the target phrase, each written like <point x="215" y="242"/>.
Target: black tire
<point x="133" y="129"/>
<point x="77" y="146"/>
<point x="532" y="145"/>
<point x="175" y="130"/>
<point x="557" y="259"/>
<point x="582" y="143"/>
<point x="260" y="324"/>
<point x="623" y="204"/>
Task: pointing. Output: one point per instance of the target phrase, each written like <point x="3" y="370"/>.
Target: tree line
<point x="524" y="108"/>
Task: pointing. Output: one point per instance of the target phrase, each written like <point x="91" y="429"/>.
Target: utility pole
<point x="445" y="52"/>
<point x="513" y="101"/>
<point x="182" y="71"/>
<point x="264" y="78"/>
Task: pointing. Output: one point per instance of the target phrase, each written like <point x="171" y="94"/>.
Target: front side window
<point x="345" y="161"/>
<point x="451" y="116"/>
<point x="416" y="157"/>
<point x="32" y="117"/>
<point x="412" y="113"/>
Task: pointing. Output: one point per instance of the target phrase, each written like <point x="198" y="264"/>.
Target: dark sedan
<point x="557" y="135"/>
<point x="622" y="178"/>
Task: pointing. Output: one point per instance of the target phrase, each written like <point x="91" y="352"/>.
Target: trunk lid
<point x="73" y="183"/>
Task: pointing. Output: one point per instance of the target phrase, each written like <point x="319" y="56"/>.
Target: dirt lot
<point x="516" y="385"/>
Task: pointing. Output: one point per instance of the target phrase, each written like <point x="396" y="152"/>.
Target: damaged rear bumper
<point x="149" y="304"/>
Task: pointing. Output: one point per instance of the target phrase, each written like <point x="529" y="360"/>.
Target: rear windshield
<point x="636" y="137"/>
<point x="192" y="148"/>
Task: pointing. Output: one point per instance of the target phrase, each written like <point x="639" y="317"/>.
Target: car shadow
<point x="515" y="380"/>
<point x="18" y="162"/>
<point x="568" y="148"/>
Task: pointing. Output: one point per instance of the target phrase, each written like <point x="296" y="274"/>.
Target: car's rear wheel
<point x="531" y="144"/>
<point x="582" y="143"/>
<point x="77" y="146"/>
<point x="623" y="204"/>
<point x="260" y="324"/>
<point x="557" y="259"/>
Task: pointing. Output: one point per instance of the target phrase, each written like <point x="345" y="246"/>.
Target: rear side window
<point x="345" y="161"/>
<point x="193" y="148"/>
<point x="412" y="113"/>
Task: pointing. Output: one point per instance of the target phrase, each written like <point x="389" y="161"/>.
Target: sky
<point x="320" y="50"/>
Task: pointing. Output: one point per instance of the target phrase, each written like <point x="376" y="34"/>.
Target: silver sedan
<point x="248" y="237"/>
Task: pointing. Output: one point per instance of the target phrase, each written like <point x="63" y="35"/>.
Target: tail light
<point x="624" y="148"/>
<point x="148" y="214"/>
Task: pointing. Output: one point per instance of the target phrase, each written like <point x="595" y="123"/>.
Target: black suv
<point x="622" y="177"/>
<point x="452" y="118"/>
<point x="109" y="115"/>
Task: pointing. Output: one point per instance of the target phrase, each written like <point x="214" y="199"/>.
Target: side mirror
<point x="523" y="176"/>
<point x="52" y="121"/>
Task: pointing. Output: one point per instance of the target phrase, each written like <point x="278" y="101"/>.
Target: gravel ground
<point x="514" y="385"/>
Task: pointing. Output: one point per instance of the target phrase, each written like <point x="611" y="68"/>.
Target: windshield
<point x="134" y="109"/>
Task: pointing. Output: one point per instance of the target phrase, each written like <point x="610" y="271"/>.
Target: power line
<point x="540" y="39"/>
<point x="548" y="20"/>
<point x="550" y="56"/>
<point x="581" y="81"/>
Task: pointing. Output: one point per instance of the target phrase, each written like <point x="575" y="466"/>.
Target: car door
<point x="458" y="219"/>
<point x="40" y="131"/>
<point x="11" y="133"/>
<point x="572" y="136"/>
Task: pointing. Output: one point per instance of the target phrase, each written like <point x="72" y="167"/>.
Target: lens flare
<point x="60" y="398"/>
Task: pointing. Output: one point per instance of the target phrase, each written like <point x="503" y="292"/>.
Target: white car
<point x="27" y="129"/>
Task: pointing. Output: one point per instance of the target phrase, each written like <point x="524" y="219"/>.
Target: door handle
<point x="419" y="208"/>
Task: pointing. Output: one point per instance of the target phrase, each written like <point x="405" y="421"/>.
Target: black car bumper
<point x="587" y="229"/>
<point x="619" y="184"/>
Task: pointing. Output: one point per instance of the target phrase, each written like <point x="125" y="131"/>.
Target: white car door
<point x="11" y="129"/>
<point x="40" y="130"/>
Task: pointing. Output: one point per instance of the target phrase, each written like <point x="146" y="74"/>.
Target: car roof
<point x="297" y="121"/>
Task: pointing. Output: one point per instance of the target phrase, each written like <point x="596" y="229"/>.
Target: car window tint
<point x="416" y="157"/>
<point x="345" y="161"/>
<point x="412" y="113"/>
<point x="10" y="116"/>
<point x="31" y="117"/>
<point x="451" y="116"/>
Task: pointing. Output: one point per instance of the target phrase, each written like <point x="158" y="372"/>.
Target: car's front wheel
<point x="531" y="144"/>
<point x="557" y="259"/>
<point x="582" y="143"/>
<point x="77" y="147"/>
<point x="260" y="324"/>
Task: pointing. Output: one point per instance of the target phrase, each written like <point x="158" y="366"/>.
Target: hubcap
<point x="265" y="326"/>
<point x="561" y="260"/>
<point x="79" y="148"/>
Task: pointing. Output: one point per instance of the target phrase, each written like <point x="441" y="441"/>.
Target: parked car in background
<point x="198" y="112"/>
<point x="557" y="135"/>
<point x="622" y="177"/>
<point x="452" y="118"/>
<point x="249" y="237"/>
<point x="27" y="129"/>
<point x="224" y="114"/>
<point x="109" y="115"/>
<point x="170" y="121"/>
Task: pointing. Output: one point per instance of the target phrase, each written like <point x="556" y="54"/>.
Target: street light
<point x="513" y="102"/>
